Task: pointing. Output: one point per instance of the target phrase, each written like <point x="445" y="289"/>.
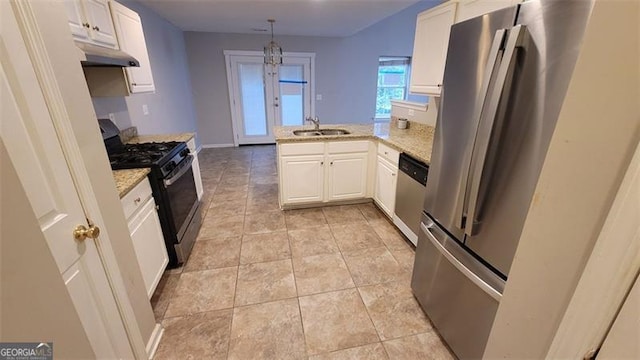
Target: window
<point x="393" y="83"/>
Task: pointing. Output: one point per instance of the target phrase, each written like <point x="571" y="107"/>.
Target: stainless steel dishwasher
<point x="410" y="191"/>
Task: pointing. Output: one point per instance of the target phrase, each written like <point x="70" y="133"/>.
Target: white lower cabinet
<point x="323" y="171"/>
<point x="385" y="188"/>
<point x="347" y="176"/>
<point x="146" y="234"/>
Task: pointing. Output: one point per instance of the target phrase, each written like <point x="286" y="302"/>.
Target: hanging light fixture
<point x="273" y="51"/>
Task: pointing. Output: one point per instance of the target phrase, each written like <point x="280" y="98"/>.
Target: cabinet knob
<point x="96" y="28"/>
<point x="134" y="84"/>
<point x="331" y="163"/>
<point x="86" y="25"/>
<point x="136" y="200"/>
<point x="321" y="162"/>
<point x="393" y="174"/>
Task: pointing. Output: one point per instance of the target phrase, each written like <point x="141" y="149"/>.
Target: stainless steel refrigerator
<point x="505" y="79"/>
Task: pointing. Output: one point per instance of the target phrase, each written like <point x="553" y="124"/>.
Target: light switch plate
<point x="112" y="117"/>
<point x="145" y="109"/>
<point x="319" y="97"/>
<point x="410" y="112"/>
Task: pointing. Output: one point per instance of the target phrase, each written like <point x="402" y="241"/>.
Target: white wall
<point x="346" y="70"/>
<point x="170" y="107"/>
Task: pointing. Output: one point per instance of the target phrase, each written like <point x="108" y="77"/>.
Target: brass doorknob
<point x="81" y="232"/>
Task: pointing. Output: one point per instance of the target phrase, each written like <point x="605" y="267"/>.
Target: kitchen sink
<point x="320" y="132"/>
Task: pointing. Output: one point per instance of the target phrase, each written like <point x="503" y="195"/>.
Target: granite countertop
<point x="416" y="141"/>
<point x="127" y="179"/>
<point x="182" y="137"/>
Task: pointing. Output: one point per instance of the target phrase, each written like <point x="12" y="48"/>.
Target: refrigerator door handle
<point x="493" y="63"/>
<point x="486" y="128"/>
<point x="463" y="261"/>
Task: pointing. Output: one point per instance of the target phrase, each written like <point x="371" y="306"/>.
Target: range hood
<point x="94" y="55"/>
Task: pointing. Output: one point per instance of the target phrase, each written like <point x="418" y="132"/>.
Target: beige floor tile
<point x="355" y="236"/>
<point x="234" y="180"/>
<point x="304" y="218"/>
<point x="263" y="222"/>
<point x="228" y="208"/>
<point x="200" y="291"/>
<point x="365" y="352"/>
<point x="394" y="310"/>
<point x="213" y="254"/>
<point x="199" y="336"/>
<point x="264" y="247"/>
<point x="404" y="257"/>
<point x="215" y="227"/>
<point x="312" y="241"/>
<point x="271" y="330"/>
<point x="267" y="170"/>
<point x="267" y="281"/>
<point x="257" y="205"/>
<point x="264" y="179"/>
<point x="231" y="189"/>
<point x="223" y="196"/>
<point x="371" y="212"/>
<point x="343" y="214"/>
<point x="374" y="266"/>
<point x="427" y="346"/>
<point x="390" y="235"/>
<point x="321" y="273"/>
<point x="335" y="320"/>
<point x="163" y="293"/>
<point x="260" y="191"/>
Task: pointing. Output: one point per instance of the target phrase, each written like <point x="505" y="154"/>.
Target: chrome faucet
<point x="316" y="122"/>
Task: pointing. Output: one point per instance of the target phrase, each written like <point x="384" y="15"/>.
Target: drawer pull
<point x="137" y="200"/>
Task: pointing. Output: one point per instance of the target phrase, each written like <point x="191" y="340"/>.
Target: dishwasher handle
<point x="415" y="169"/>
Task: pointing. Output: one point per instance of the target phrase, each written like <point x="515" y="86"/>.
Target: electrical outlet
<point x="319" y="97"/>
<point x="411" y="112"/>
<point x="145" y="109"/>
<point x="112" y="117"/>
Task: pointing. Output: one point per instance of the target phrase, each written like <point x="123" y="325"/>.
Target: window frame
<point x="391" y="61"/>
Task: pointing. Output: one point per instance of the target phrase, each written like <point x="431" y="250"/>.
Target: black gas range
<point x="172" y="182"/>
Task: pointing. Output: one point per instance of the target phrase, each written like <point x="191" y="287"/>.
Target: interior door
<point x="29" y="134"/>
<point x="263" y="96"/>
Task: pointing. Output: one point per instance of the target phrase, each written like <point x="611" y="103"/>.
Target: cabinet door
<point x="347" y="176"/>
<point x="468" y="9"/>
<point x="75" y="14"/>
<point x="430" y="48"/>
<point x="149" y="245"/>
<point x="302" y="179"/>
<point x="131" y="39"/>
<point x="99" y="18"/>
<point x="385" y="191"/>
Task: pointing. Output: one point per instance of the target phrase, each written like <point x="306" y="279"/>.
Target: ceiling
<point x="293" y="17"/>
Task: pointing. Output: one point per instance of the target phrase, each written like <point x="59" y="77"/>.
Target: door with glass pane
<point x="263" y="96"/>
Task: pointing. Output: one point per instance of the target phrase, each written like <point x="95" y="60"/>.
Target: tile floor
<point x="261" y="283"/>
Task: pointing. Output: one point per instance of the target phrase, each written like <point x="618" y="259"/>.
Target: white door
<point x="263" y="96"/>
<point x="75" y="14"/>
<point x="385" y="192"/>
<point x="29" y="134"/>
<point x="99" y="18"/>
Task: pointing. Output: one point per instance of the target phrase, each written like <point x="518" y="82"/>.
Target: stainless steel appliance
<point x="505" y="79"/>
<point x="172" y="183"/>
<point x="410" y="191"/>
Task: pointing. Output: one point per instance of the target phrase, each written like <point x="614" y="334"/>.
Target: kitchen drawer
<point x="136" y="198"/>
<point x="308" y="148"/>
<point x="388" y="153"/>
<point x="337" y="147"/>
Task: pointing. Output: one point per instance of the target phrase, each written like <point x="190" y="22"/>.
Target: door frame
<point x="236" y="126"/>
<point x="36" y="48"/>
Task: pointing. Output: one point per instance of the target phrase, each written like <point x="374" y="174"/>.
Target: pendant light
<point x="273" y="51"/>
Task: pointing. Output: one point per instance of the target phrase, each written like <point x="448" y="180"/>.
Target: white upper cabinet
<point x="430" y="48"/>
<point x="90" y="21"/>
<point x="468" y="9"/>
<point x="131" y="39"/>
<point x="431" y="41"/>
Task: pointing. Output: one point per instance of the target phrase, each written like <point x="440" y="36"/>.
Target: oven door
<point x="181" y="193"/>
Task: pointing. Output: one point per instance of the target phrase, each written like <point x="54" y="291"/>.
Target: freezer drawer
<point x="458" y="293"/>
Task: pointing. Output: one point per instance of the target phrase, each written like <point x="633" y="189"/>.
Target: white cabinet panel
<point x="347" y="178"/>
<point x="468" y="9"/>
<point x="385" y="190"/>
<point x="433" y="28"/>
<point x="77" y="22"/>
<point x="99" y="19"/>
<point x="302" y="178"/>
<point x="128" y="27"/>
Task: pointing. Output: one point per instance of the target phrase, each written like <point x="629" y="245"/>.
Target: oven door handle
<point x="183" y="168"/>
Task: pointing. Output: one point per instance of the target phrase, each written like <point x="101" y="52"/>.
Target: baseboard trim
<point x="211" y="146"/>
<point x="154" y="341"/>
